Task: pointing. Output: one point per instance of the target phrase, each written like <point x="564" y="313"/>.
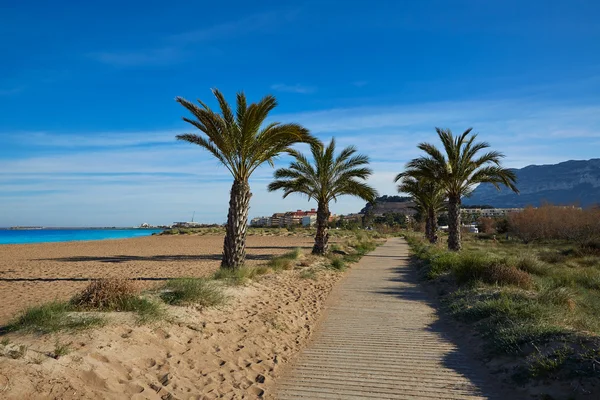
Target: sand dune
<point x="233" y="352"/>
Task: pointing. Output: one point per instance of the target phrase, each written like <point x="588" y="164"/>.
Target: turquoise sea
<point x="18" y="236"/>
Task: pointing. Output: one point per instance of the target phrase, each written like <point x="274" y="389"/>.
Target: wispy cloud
<point x="92" y="139"/>
<point x="177" y="47"/>
<point x="297" y="88"/>
<point x="108" y="178"/>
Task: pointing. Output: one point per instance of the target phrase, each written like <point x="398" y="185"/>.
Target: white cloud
<point x="93" y="139"/>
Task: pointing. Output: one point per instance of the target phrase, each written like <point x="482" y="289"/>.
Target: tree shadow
<point x="464" y="359"/>
<point x="80" y="279"/>
<point x="157" y="258"/>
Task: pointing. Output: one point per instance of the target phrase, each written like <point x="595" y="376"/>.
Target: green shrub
<point x="337" y="263"/>
<point x="480" y="267"/>
<point x="199" y="291"/>
<point x="532" y="265"/>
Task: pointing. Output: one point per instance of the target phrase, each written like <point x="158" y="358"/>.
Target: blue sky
<point x="87" y="89"/>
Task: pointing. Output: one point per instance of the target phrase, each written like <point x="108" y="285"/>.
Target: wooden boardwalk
<point x="380" y="339"/>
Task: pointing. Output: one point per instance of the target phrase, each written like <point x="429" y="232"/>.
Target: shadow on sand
<point x="159" y="258"/>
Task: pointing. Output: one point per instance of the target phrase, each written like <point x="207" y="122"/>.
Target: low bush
<point x="473" y="267"/>
<point x="532" y="265"/>
<point x="104" y="294"/>
<point x="116" y="294"/>
<point x="181" y="291"/>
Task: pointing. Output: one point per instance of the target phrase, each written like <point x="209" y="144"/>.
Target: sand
<point x="31" y="274"/>
<point x="232" y="352"/>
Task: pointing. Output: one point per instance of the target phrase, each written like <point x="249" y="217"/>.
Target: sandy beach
<point x="31" y="274"/>
<point x="234" y="351"/>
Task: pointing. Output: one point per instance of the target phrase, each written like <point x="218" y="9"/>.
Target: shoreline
<point x="47" y="235"/>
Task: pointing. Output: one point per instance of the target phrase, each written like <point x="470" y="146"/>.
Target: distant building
<point x="309" y="220"/>
<point x="283" y="219"/>
<point x="186" y="225"/>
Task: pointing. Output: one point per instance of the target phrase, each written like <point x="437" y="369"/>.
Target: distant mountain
<point x="569" y="182"/>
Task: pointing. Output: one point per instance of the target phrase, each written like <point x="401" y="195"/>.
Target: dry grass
<point x="109" y="293"/>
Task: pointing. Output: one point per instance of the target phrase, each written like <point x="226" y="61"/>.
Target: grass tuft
<point x="182" y="291"/>
<point x="285" y="261"/>
<point x="61" y="349"/>
<point x="115" y="294"/>
<point x="237" y="276"/>
<point x="336" y="263"/>
<point x="53" y="317"/>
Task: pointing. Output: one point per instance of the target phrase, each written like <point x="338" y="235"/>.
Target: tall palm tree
<point x="429" y="199"/>
<point x="325" y="179"/>
<point x="458" y="171"/>
<point x="241" y="143"/>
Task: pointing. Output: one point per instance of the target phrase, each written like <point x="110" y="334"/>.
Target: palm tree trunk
<point x="432" y="224"/>
<point x="428" y="227"/>
<point x="434" y="227"/>
<point x="454" y="223"/>
<point x="322" y="236"/>
<point x="234" y="247"/>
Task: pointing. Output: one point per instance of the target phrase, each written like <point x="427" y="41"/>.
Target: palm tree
<point x="429" y="199"/>
<point x="326" y="179"/>
<point x="241" y="143"/>
<point x="458" y="171"/>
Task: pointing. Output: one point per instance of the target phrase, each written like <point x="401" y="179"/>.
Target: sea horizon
<point x="32" y="235"/>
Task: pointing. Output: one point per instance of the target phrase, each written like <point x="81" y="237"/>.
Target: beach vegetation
<point x="285" y="261"/>
<point x="242" y="143"/>
<point x="308" y="274"/>
<point x="117" y="294"/>
<point x="61" y="349"/>
<point x="238" y="276"/>
<point x="197" y="291"/>
<point x="458" y="168"/>
<point x="324" y="179"/>
<point x="544" y="312"/>
<point x="53" y="317"/>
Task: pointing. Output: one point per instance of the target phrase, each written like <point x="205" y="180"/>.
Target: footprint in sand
<point x="133" y="388"/>
<point x="150" y="363"/>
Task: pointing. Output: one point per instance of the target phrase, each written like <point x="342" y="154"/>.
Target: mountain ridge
<point x="566" y="183"/>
